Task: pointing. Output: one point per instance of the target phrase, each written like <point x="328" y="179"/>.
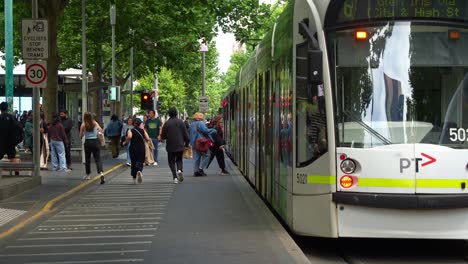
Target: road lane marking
<point x="83" y="244"/>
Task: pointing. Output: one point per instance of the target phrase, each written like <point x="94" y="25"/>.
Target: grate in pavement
<point x="7" y="215"/>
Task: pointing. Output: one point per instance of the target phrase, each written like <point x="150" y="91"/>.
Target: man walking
<point x="7" y="130"/>
<point x="176" y="135"/>
<point x="67" y="123"/>
<point x="153" y="128"/>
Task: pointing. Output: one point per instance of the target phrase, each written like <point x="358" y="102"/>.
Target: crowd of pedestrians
<point x="140" y="139"/>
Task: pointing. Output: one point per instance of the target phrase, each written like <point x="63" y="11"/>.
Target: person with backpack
<point x="127" y="126"/>
<point x="112" y="131"/>
<point x="137" y="137"/>
<point x="8" y="132"/>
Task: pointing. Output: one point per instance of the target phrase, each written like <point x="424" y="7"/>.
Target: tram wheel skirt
<point x="360" y="221"/>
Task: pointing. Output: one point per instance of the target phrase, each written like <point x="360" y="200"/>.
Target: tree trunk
<point x="53" y="12"/>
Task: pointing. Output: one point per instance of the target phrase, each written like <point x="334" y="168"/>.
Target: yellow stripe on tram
<point x="440" y="183"/>
<point x="392" y="182"/>
<point x="321" y="179"/>
<point x="385" y="182"/>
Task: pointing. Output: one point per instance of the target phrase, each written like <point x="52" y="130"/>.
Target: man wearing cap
<point x="7" y="145"/>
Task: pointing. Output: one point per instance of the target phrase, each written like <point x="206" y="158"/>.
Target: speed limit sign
<point x="36" y="74"/>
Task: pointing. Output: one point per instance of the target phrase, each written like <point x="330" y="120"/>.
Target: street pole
<point x="203" y="73"/>
<point x="9" y="53"/>
<point x="203" y="49"/>
<point x="36" y="116"/>
<point x="112" y="20"/>
<point x="131" y="74"/>
<point x="84" y="74"/>
<point x="156" y="93"/>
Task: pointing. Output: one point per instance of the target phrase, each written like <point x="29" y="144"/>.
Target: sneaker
<point x="67" y="170"/>
<point x="139" y="177"/>
<point x="202" y="173"/>
<point x="86" y="177"/>
<point x="176" y="180"/>
<point x="155" y="164"/>
<point x="180" y="176"/>
<point x="134" y="181"/>
<point x="224" y="172"/>
<point x="103" y="180"/>
<point x="129" y="164"/>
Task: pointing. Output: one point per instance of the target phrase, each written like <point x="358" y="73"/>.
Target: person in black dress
<point x="137" y="136"/>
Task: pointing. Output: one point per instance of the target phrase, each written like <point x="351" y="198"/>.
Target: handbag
<point x="101" y="138"/>
<point x="187" y="154"/>
<point x="202" y="144"/>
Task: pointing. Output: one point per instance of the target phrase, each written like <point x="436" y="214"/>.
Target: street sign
<point x="203" y="104"/>
<point x="35" y="39"/>
<point x="36" y="74"/>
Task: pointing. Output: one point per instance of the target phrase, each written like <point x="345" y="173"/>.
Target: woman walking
<point x="89" y="129"/>
<point x="198" y="130"/>
<point x="137" y="137"/>
<point x="218" y="143"/>
<point x="127" y="126"/>
<point x="176" y="135"/>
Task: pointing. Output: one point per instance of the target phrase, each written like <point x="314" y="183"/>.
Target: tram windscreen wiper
<point x="367" y="128"/>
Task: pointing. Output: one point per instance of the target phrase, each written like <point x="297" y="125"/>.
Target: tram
<point x="351" y="118"/>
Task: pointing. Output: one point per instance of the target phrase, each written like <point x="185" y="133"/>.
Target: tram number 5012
<point x="458" y="134"/>
<point x="301" y="178"/>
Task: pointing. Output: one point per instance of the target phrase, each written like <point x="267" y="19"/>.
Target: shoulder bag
<point x="202" y="144"/>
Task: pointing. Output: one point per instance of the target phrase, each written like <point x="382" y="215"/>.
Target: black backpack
<point x="16" y="135"/>
<point x="18" y="131"/>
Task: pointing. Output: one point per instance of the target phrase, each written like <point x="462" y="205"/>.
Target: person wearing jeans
<point x="58" y="140"/>
<point x="153" y="128"/>
<point x="198" y="129"/>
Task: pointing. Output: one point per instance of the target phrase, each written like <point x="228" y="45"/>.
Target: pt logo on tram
<point x="405" y="163"/>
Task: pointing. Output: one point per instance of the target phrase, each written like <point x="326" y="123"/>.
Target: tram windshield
<point x="403" y="83"/>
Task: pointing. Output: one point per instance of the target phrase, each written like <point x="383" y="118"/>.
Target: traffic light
<point x="146" y="101"/>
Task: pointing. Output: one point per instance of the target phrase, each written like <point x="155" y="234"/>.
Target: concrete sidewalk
<point x="210" y="219"/>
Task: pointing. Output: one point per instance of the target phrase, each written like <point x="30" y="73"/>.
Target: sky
<point x="224" y="44"/>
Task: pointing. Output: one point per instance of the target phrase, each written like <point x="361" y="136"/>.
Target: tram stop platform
<point x="211" y="219"/>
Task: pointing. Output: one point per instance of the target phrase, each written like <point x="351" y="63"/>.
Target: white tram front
<point x="351" y="119"/>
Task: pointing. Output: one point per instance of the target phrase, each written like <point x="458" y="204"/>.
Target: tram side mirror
<point x="314" y="64"/>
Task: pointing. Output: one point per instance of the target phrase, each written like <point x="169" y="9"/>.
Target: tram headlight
<point x="348" y="166"/>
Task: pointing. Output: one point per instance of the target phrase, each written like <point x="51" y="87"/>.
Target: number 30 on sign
<point x="36" y="74"/>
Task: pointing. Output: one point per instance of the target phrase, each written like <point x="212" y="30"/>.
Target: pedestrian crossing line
<point x="60" y="216"/>
<point x="106" y="224"/>
<point x="113" y="206"/>
<point x="83" y="244"/>
<point x="120" y="252"/>
<point x="87" y="231"/>
<point x="84" y="237"/>
<point x="126" y="193"/>
<point x="118" y="199"/>
<point x="89" y="261"/>
<point x="108" y="219"/>
<point x="80" y="215"/>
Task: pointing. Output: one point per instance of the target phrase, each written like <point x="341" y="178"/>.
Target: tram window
<point x="405" y="86"/>
<point x="311" y="131"/>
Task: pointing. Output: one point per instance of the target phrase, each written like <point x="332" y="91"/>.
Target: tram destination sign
<point x="353" y="10"/>
<point x="35" y="39"/>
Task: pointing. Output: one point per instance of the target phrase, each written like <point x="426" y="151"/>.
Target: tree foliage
<point x="165" y="37"/>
